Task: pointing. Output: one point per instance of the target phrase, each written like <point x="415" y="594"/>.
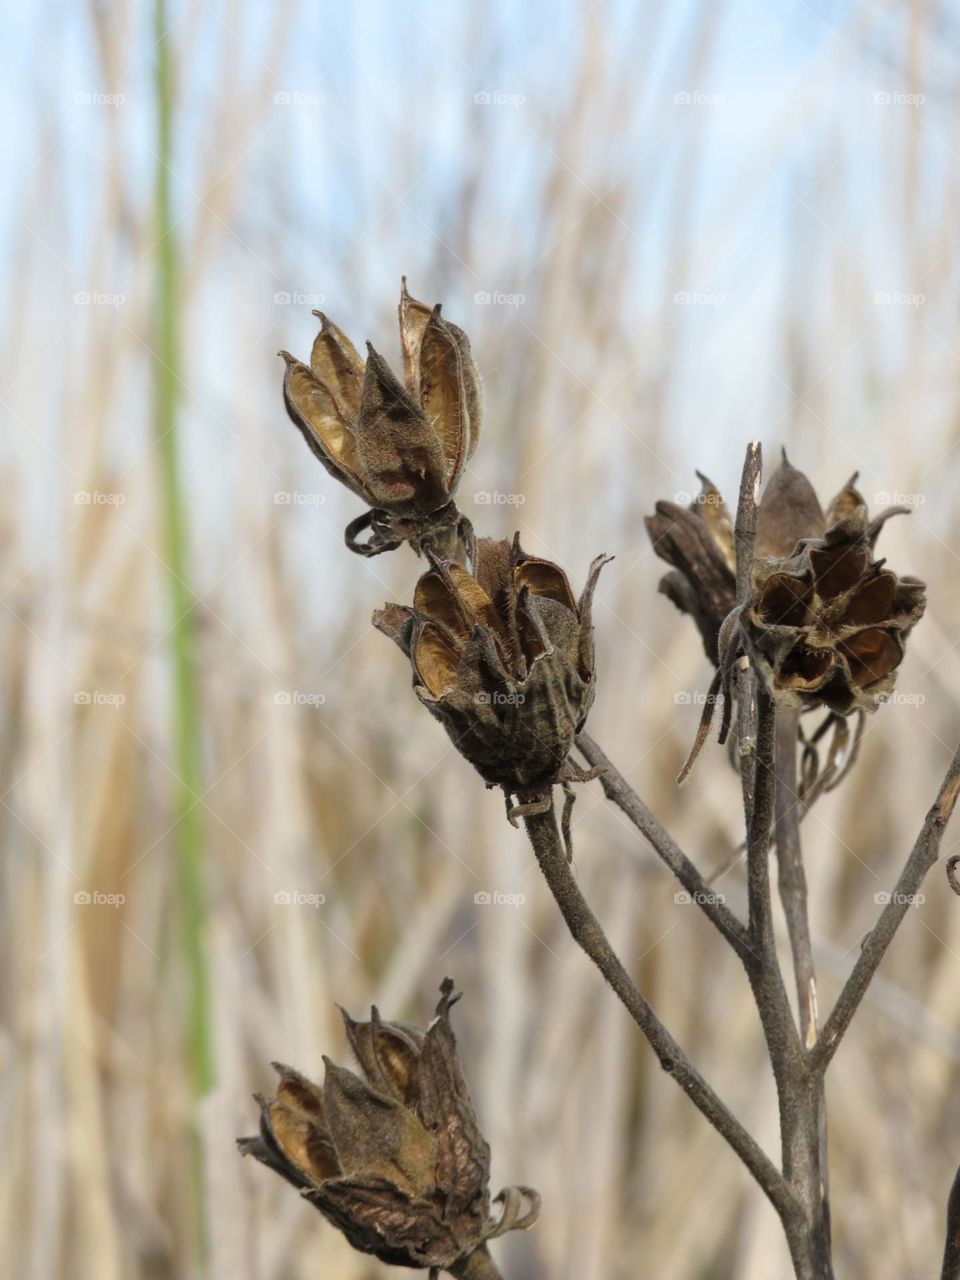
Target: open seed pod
<point x="393" y="1156"/>
<point x="401" y="446"/>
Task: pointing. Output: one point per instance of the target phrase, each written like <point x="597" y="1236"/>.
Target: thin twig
<point x="619" y="790"/>
<point x="951" y="1250"/>
<point x="759" y="824"/>
<point x="923" y="855"/>
<point x="792" y="880"/>
<point x="589" y="935"/>
<point x="744" y="541"/>
<point x="745" y="529"/>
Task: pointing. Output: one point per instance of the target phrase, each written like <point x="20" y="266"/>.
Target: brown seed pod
<point x="393" y="1157"/>
<point x="400" y="446"/>
<point x="504" y="660"/>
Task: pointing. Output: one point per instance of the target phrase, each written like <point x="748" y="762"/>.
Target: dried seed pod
<point x="826" y="623"/>
<point x="394" y="1158"/>
<point x="400" y="446"/>
<point x="504" y="660"/>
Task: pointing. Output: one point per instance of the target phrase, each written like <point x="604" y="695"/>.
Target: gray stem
<point x="589" y="935"/>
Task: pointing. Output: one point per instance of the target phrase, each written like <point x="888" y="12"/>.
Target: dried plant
<point x="395" y="1159"/>
<point x="401" y="447"/>
<point x="796" y="614"/>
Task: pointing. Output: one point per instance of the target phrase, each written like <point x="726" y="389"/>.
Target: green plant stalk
<point x="189" y="836"/>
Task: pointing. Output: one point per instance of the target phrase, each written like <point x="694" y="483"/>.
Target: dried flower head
<point x="824" y="622"/>
<point x="504" y="660"/>
<point x="400" y="446"/>
<point x="394" y="1158"/>
<point x="827" y="623"/>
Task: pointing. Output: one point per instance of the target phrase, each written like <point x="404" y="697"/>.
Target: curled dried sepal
<point x="400" y="446"/>
<point x="393" y="1157"/>
<point x="504" y="659"/>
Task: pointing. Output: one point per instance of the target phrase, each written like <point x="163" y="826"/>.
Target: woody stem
<point x="589" y="935"/>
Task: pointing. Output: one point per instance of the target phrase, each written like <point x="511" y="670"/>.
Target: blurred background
<point x="667" y="229"/>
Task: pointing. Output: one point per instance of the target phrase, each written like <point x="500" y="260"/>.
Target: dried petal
<point x="442" y="395"/>
<point x="336" y="362"/>
<point x="374" y="1134"/>
<point x="435" y="660"/>
<point x="788" y="511"/>
<point x="414" y="317"/>
<point x="399" y="452"/>
<point x="313" y="409"/>
<point x="713" y="511"/>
